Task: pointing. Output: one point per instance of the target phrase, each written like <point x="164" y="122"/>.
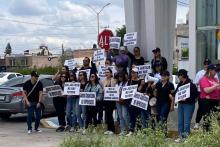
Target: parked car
<point x="11" y="96"/>
<point x="5" y="76"/>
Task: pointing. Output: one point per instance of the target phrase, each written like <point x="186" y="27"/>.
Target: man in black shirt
<point x="32" y="91"/>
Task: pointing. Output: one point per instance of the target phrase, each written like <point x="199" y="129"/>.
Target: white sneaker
<point x="196" y="126"/>
<point x="129" y="134"/>
<point x="38" y="131"/>
<point x="72" y="130"/>
<point x="29" y="131"/>
<point x="84" y="132"/>
<point x="122" y="133"/>
<point x="79" y="131"/>
<point x="110" y="133"/>
<point x="178" y="140"/>
<point x="106" y="132"/>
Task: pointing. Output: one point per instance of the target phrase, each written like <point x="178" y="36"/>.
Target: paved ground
<point x="13" y="134"/>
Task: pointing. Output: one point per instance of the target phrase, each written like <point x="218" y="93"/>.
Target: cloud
<point x="29" y="7"/>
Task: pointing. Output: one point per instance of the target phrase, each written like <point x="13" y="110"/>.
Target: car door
<point x="48" y="102"/>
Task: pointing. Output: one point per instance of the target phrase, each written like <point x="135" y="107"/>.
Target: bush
<point x="44" y="70"/>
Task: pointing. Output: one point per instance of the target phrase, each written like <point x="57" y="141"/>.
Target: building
<point x="154" y="20"/>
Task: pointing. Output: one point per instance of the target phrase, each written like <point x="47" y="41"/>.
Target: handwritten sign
<point x="111" y="93"/>
<point x="70" y="63"/>
<point x="71" y="88"/>
<point x="87" y="98"/>
<point x="130" y="39"/>
<point x="140" y="100"/>
<point x="128" y="91"/>
<point x="99" y="56"/>
<point x="54" y="91"/>
<point x="102" y="69"/>
<point x="183" y="93"/>
<point x="143" y="70"/>
<point x="115" y="42"/>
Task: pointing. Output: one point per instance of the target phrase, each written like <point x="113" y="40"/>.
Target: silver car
<point x="11" y="96"/>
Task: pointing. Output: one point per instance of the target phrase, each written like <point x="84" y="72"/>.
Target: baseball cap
<point x="182" y="72"/>
<point x="165" y="73"/>
<point x="207" y="61"/>
<point x="34" y="73"/>
<point x="212" y="67"/>
<point x="156" y="50"/>
<point x="134" y="69"/>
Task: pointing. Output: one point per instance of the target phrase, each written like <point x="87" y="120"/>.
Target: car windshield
<point x="2" y="75"/>
<point x="17" y="81"/>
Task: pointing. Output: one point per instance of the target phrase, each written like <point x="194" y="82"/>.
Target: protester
<point x="60" y="102"/>
<point x="158" y="58"/>
<point x="86" y="65"/>
<point x="134" y="112"/>
<point x="122" y="106"/>
<point x="185" y="107"/>
<point x="91" y="111"/>
<point x="109" y="106"/>
<point x="158" y="70"/>
<point x="138" y="59"/>
<point x="210" y="93"/>
<point x="64" y="69"/>
<point x="71" y="107"/>
<point x="165" y="100"/>
<point x="198" y="77"/>
<point x="32" y="92"/>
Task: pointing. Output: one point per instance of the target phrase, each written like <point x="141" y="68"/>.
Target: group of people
<point x="75" y="117"/>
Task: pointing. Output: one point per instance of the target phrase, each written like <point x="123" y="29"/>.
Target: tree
<point x="8" y="49"/>
<point x="120" y="32"/>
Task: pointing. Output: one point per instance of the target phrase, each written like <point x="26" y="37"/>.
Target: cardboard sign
<point x="140" y="100"/>
<point x="87" y="98"/>
<point x="115" y="42"/>
<point x="143" y="70"/>
<point x="130" y="39"/>
<point x="128" y="91"/>
<point x="71" y="88"/>
<point x="87" y="73"/>
<point x="70" y="63"/>
<point x="102" y="69"/>
<point x="54" y="91"/>
<point x="99" y="56"/>
<point x="183" y="93"/>
<point x="111" y="94"/>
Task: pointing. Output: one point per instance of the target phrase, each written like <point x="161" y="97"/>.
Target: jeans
<point x="91" y="116"/>
<point x="185" y="113"/>
<point x="71" y="111"/>
<point x="123" y="116"/>
<point x="199" y="112"/>
<point x="134" y="112"/>
<point x="163" y="110"/>
<point x="80" y="113"/>
<point x="60" y="106"/>
<point x="30" y="111"/>
<point x="109" y="108"/>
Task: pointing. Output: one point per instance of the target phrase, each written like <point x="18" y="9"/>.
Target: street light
<point x="97" y="15"/>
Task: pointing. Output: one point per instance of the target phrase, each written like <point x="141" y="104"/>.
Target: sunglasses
<point x="80" y="75"/>
<point x="63" y="76"/>
<point x="92" y="76"/>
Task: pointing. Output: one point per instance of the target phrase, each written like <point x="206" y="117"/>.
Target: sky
<point x="27" y="24"/>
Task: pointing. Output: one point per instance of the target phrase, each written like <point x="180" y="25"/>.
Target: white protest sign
<point x="140" y="100"/>
<point x="143" y="70"/>
<point x="71" y="88"/>
<point x="102" y="69"/>
<point x="70" y="63"/>
<point x="111" y="93"/>
<point x="130" y="39"/>
<point x="87" y="73"/>
<point x="183" y="93"/>
<point x="87" y="98"/>
<point x="115" y="42"/>
<point x="54" y="91"/>
<point x="99" y="56"/>
<point x="128" y="91"/>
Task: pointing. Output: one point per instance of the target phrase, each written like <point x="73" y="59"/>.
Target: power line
<point x="41" y="24"/>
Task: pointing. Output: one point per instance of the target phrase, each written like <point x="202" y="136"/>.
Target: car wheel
<point x="5" y="115"/>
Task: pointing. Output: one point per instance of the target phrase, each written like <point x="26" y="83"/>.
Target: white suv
<point x="5" y="76"/>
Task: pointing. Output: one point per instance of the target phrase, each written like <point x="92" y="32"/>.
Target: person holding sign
<point x="209" y="94"/>
<point x="91" y="111"/>
<point x="109" y="105"/>
<point x="158" y="58"/>
<point x="60" y="102"/>
<point x="165" y="100"/>
<point x="121" y="105"/>
<point x="138" y="59"/>
<point x="186" y="105"/>
<point x="86" y="63"/>
<point x="71" y="107"/>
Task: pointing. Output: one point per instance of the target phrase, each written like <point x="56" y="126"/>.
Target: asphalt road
<point x="13" y="133"/>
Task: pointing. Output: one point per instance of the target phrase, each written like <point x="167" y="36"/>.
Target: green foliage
<point x="8" y="49"/>
<point x="120" y="32"/>
<point x="44" y="70"/>
<point x="175" y="70"/>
